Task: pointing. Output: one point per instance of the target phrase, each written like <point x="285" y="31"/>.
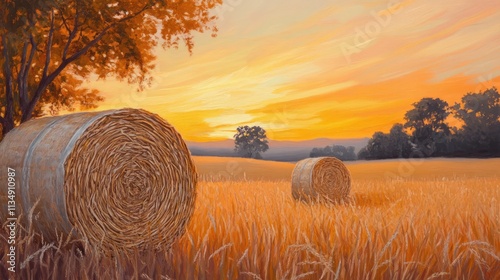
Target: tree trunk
<point x="8" y="118"/>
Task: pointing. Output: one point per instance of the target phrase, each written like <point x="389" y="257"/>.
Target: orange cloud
<point x="283" y="65"/>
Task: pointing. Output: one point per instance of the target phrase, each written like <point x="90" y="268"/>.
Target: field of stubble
<point x="437" y="219"/>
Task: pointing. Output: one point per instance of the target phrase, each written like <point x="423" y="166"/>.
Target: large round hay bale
<point x="322" y="179"/>
<point x="122" y="179"/>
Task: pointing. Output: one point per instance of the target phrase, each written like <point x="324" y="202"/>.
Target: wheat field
<point x="432" y="219"/>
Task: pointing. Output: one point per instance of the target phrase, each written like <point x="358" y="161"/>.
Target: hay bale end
<point x="322" y="179"/>
<point x="122" y="179"/>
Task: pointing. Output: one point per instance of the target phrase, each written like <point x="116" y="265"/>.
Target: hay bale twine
<point x="322" y="179"/>
<point x="123" y="179"/>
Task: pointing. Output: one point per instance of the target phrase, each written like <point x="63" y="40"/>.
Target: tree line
<point x="341" y="152"/>
<point x="427" y="132"/>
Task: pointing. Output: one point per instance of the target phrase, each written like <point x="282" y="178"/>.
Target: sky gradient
<point x="319" y="68"/>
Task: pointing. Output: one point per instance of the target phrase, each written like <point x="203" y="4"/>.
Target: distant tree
<point x="257" y="156"/>
<point x="316" y="152"/>
<point x="341" y="152"/>
<point x="379" y="146"/>
<point x="399" y="141"/>
<point x="363" y="153"/>
<point x="249" y="141"/>
<point x="480" y="112"/>
<point x="327" y="151"/>
<point x="395" y="144"/>
<point x="351" y="154"/>
<point x="431" y="135"/>
<point x="427" y="121"/>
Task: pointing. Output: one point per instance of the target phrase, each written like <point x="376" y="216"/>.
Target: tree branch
<point x="49" y="46"/>
<point x="26" y="67"/>
<point x="23" y="79"/>
<point x="72" y="34"/>
<point x="8" y="119"/>
<point x="23" y="59"/>
<point x="64" y="22"/>
<point x="22" y="69"/>
<point x="32" y="55"/>
<point x="47" y="79"/>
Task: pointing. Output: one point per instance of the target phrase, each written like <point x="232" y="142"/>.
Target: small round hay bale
<point x="123" y="179"/>
<point x="322" y="179"/>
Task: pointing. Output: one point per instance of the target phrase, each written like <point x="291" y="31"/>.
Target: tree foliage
<point x="399" y="142"/>
<point x="341" y="152"/>
<point x="249" y="141"/>
<point x="427" y="120"/>
<point x="378" y="146"/>
<point x="363" y="153"/>
<point x="395" y="144"/>
<point x="431" y="136"/>
<point x="480" y="113"/>
<point x="49" y="47"/>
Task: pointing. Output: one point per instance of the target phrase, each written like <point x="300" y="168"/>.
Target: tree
<point x="363" y="153"/>
<point x="427" y="121"/>
<point x="395" y="144"/>
<point x="480" y="113"/>
<point x="249" y="141"/>
<point x="350" y="154"/>
<point x="399" y="142"/>
<point x="49" y="47"/>
<point x="378" y="146"/>
<point x="341" y="152"/>
<point x="316" y="152"/>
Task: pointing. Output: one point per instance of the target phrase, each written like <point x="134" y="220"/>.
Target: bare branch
<point x="105" y="30"/>
<point x="25" y="67"/>
<point x="23" y="91"/>
<point x="49" y="46"/>
<point x="65" y="23"/>
<point x="8" y="119"/>
<point x="47" y="79"/>
<point x="32" y="54"/>
<point x="20" y="75"/>
<point x="72" y="33"/>
<point x="23" y="57"/>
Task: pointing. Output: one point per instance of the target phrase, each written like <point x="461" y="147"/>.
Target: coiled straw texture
<point x="322" y="179"/>
<point x="122" y="179"/>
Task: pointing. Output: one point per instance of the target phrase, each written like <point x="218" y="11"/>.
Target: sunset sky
<point x="320" y="68"/>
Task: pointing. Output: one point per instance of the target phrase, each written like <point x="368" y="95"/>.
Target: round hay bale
<point x="322" y="179"/>
<point x="123" y="179"/>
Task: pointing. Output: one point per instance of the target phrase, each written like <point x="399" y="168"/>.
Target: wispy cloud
<point x="290" y="56"/>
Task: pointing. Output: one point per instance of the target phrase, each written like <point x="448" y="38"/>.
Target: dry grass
<point x="435" y="168"/>
<point x="222" y="168"/>
<point x="416" y="227"/>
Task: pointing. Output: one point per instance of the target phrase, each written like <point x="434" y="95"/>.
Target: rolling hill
<point x="278" y="150"/>
<point x="416" y="169"/>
